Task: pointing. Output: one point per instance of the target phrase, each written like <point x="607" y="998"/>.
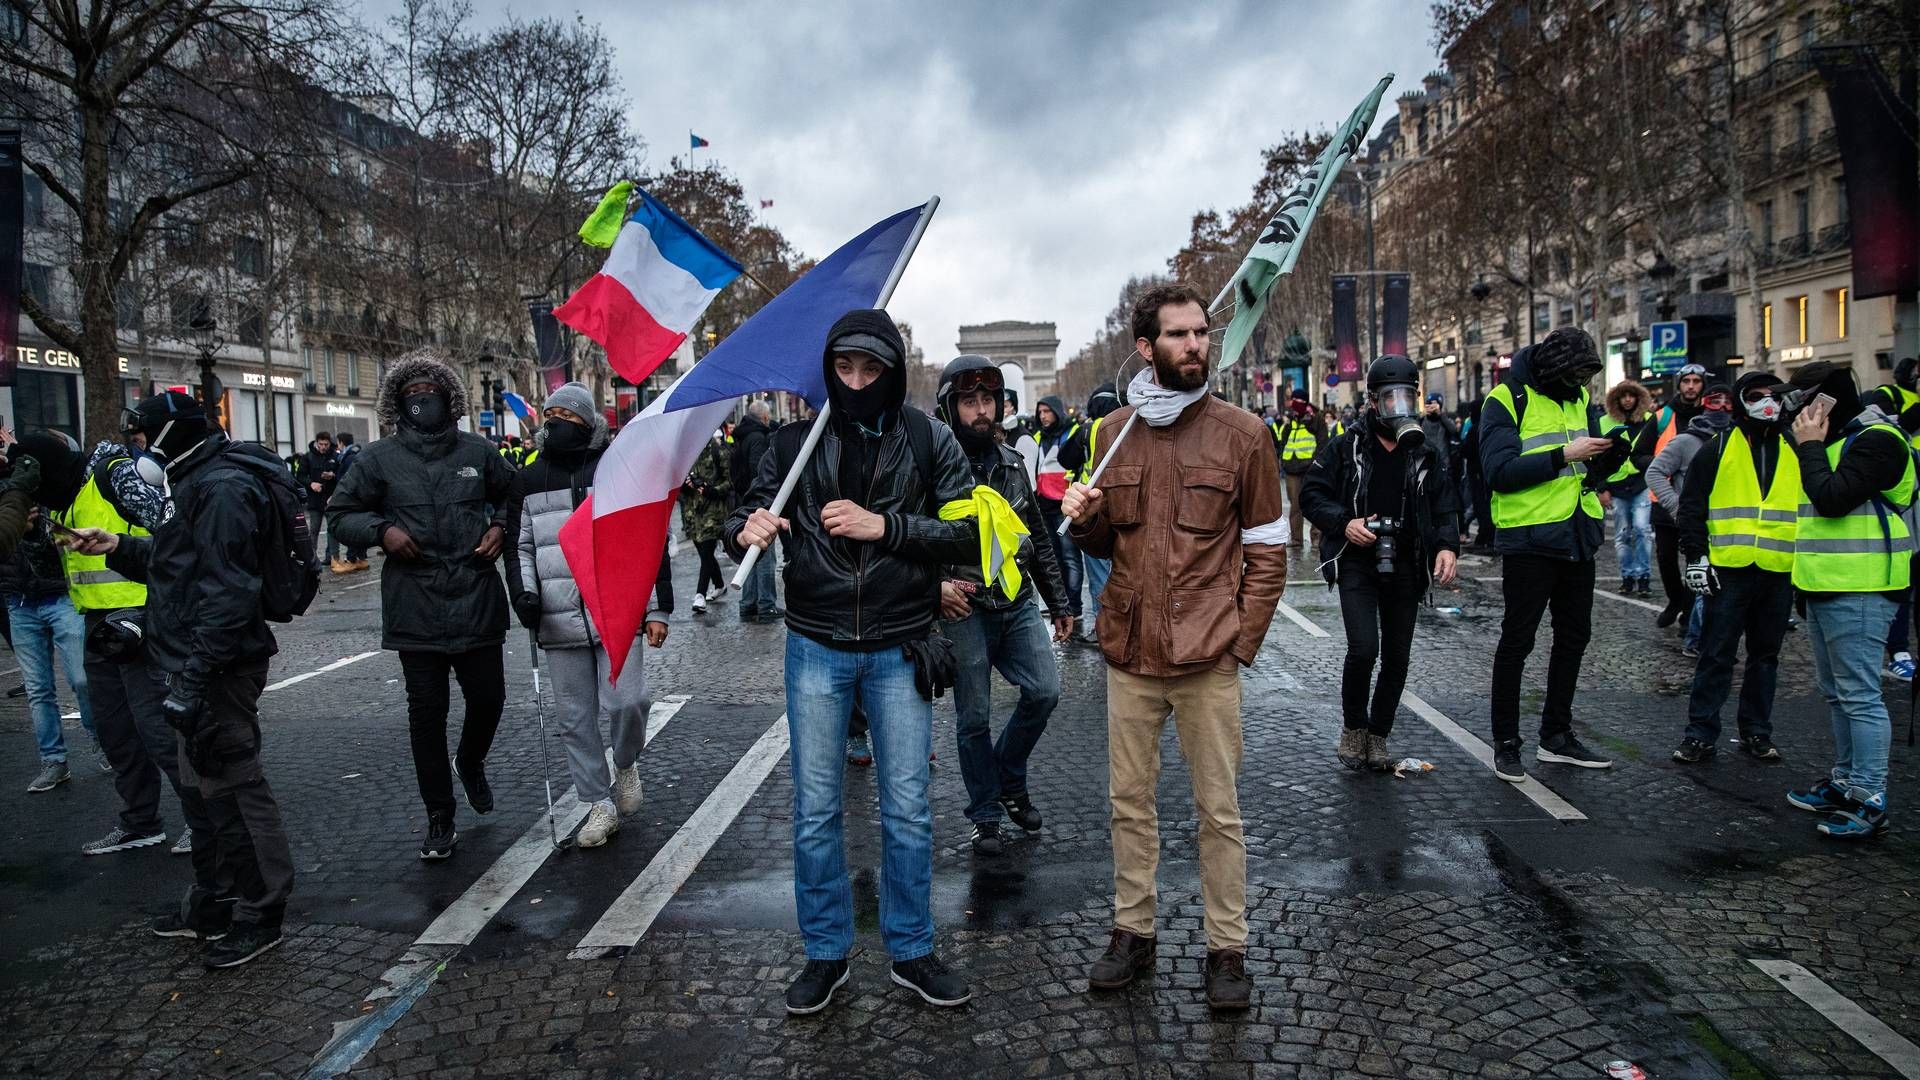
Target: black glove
<point x="183" y="710"/>
<point x="934" y="669"/>
<point x="25" y="476"/>
<point x="526" y="606"/>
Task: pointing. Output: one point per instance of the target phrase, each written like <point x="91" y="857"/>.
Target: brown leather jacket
<point x="1185" y="595"/>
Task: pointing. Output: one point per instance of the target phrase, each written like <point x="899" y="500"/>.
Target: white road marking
<point x="1863" y="1027"/>
<point x="362" y="585"/>
<point x="335" y="666"/>
<point x="1300" y="620"/>
<point x="627" y="921"/>
<point x="1542" y="796"/>
<point x="1606" y="595"/>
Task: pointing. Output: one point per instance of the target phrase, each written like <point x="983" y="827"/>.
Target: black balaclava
<point x="566" y="438"/>
<point x="870" y="331"/>
<point x="1753" y="427"/>
<point x="1823" y="377"/>
<point x="427" y="411"/>
<point x="1563" y="364"/>
<point x="62" y="468"/>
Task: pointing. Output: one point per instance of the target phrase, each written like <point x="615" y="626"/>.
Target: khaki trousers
<point x="1206" y="716"/>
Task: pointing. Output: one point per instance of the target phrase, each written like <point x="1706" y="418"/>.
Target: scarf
<point x="1156" y="404"/>
<point x="1000" y="533"/>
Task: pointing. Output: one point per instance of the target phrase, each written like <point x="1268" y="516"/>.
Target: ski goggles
<point x="1717" y="401"/>
<point x="988" y="379"/>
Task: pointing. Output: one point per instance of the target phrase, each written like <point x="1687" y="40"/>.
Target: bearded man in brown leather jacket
<point x="1190" y="512"/>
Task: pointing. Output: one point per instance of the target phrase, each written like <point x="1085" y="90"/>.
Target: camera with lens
<point x="1387" y="547"/>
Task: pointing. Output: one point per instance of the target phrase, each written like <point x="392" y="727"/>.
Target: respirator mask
<point x="1397" y="409"/>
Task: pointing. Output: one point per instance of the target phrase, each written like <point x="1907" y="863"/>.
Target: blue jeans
<point x="757" y="594"/>
<point x="1696" y="622"/>
<point x="1848" y="632"/>
<point x="1013" y="641"/>
<point x="1633" y="533"/>
<point x="1098" y="571"/>
<point x="1069" y="556"/>
<point x="38" y="629"/>
<point x="822" y="686"/>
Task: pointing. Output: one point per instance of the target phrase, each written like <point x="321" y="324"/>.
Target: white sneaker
<point x="602" y="821"/>
<point x="718" y="592"/>
<point x="626" y="789"/>
<point x="699" y="604"/>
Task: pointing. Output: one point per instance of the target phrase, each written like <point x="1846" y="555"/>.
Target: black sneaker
<point x="986" y="838"/>
<point x="474" y="780"/>
<point x="1668" y="616"/>
<point x="1020" y="811"/>
<point x="928" y="977"/>
<point x="1566" y="749"/>
<point x="1760" y="746"/>
<point x="1627" y="585"/>
<point x="243" y="942"/>
<point x="813" y="989"/>
<point x="1506" y="762"/>
<point x="1692" y="751"/>
<point x="441" y="837"/>
<point x="172" y="925"/>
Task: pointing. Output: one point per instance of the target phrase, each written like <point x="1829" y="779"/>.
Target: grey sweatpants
<point x="582" y="695"/>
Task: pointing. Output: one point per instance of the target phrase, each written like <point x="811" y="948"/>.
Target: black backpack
<point x="289" y="574"/>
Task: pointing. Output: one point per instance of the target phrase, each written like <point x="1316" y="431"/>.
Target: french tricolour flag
<point x="657" y="280"/>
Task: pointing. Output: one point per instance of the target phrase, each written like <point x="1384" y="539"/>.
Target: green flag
<point x="1279" y="245"/>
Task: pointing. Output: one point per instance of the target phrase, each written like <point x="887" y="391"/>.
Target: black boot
<point x="1128" y="954"/>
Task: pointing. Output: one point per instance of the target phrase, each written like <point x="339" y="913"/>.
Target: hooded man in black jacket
<point x="206" y="629"/>
<point x="759" y="599"/>
<point x="993" y="623"/>
<point x="865" y="543"/>
<point x="436" y="499"/>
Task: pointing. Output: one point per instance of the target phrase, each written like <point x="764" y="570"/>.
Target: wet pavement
<point x="1441" y="925"/>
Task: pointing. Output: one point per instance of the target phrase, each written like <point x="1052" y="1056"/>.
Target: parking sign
<point x="1667" y="347"/>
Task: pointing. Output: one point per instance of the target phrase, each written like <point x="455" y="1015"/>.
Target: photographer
<point x="1384" y="505"/>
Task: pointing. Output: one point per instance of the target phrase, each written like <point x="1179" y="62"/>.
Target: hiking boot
<point x="1377" y="758"/>
<point x="986" y="838"/>
<point x="119" y="839"/>
<point x="1020" y="811"/>
<point x="1352" y="748"/>
<point x="1824" y="797"/>
<point x="813" y="989"/>
<point x="441" y="837"/>
<point x="474" y="780"/>
<point x="602" y="821"/>
<point x="52" y="775"/>
<point x="359" y="565"/>
<point x="1228" y="988"/>
<point x="1566" y="749"/>
<point x="1506" y="762"/>
<point x="242" y="942"/>
<point x="1692" y="751"/>
<point x="340" y="566"/>
<point x="1128" y="954"/>
<point x="928" y="977"/>
<point x="626" y="790"/>
<point x="184" y="845"/>
<point x="858" y="752"/>
<point x="1861" y="820"/>
<point x="1760" y="746"/>
<point x="172" y="925"/>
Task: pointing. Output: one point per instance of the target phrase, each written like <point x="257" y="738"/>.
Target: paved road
<point x="1449" y="925"/>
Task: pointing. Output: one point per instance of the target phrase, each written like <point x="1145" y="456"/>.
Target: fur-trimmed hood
<point x="1619" y="391"/>
<point x="421" y="363"/>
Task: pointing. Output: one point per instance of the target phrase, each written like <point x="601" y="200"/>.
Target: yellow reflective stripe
<point x="1768" y="543"/>
<point x="95" y="577"/>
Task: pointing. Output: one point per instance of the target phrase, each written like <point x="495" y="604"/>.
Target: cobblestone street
<point x="1436" y="926"/>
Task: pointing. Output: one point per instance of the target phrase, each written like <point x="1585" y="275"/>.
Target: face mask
<point x="865" y="405"/>
<point x="150" y="471"/>
<point x="1766" y="410"/>
<point x="565" y="436"/>
<point x="427" y="411"/>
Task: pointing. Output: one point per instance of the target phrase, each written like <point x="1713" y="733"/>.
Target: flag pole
<point x="819" y="426"/>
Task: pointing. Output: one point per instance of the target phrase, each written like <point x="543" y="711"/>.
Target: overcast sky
<point x="1070" y="142"/>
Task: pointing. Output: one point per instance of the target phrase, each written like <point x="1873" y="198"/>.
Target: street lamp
<point x="486" y="395"/>
<point x="1630" y="348"/>
<point x="1662" y="273"/>
<point x="206" y="339"/>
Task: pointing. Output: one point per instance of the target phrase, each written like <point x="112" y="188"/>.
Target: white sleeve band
<point x="1273" y="534"/>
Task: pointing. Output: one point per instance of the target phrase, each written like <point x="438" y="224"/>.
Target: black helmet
<point x="1392" y="371"/>
<point x="120" y="637"/>
<point x="964" y="375"/>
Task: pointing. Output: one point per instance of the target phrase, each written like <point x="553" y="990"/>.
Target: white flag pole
<point x="826" y="407"/>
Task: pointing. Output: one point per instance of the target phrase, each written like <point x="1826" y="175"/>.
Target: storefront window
<point x="42" y="399"/>
<point x="353" y="373"/>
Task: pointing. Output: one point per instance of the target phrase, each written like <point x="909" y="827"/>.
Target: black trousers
<point x="1753" y="603"/>
<point x="1666" y="552"/>
<point x="709" y="566"/>
<point x="1379" y="613"/>
<point x="483" y="683"/>
<point x="243" y="855"/>
<point x="134" y="735"/>
<point x="1534" y="585"/>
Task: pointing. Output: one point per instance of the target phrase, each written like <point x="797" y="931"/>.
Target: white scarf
<point x="1156" y="404"/>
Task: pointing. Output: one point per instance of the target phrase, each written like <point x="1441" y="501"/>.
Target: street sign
<point x="1666" y="347"/>
<point x="486" y="418"/>
<point x="1333" y="378"/>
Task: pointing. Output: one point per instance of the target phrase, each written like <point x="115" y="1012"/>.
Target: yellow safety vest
<point x="1867" y="549"/>
<point x="1906" y="399"/>
<point x="1744" y="526"/>
<point x="1546" y="425"/>
<point x="90" y="584"/>
<point x="1299" y="444"/>
<point x="1093" y="435"/>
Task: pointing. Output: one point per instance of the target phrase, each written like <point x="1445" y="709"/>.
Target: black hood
<point x="62" y="467"/>
<point x="1052" y="401"/>
<point x="1103" y="401"/>
<point x="1828" y="378"/>
<point x="877" y="323"/>
<point x="1752" y="428"/>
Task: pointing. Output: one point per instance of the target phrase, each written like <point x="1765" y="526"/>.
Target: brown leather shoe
<point x="1228" y="987"/>
<point x="1128" y="954"/>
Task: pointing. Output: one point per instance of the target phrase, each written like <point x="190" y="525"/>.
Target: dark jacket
<point x="14" y="508"/>
<point x="1002" y="469"/>
<point x="1335" y="492"/>
<point x="445" y="491"/>
<point x="750" y="441"/>
<point x="857" y="595"/>
<point x="35" y="571"/>
<point x="312" y="469"/>
<point x="1442" y="435"/>
<point x="1575" y="539"/>
<point x="202" y="568"/>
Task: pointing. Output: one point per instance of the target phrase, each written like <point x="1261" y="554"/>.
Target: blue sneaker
<point x="1825" y="797"/>
<point x="1860" y="821"/>
<point x="1901" y="666"/>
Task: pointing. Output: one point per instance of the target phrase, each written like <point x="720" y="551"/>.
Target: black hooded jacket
<point x="1764" y="443"/>
<point x="1335" y="492"/>
<point x="858" y="595"/>
<point x="1073" y="456"/>
<point x="1506" y="469"/>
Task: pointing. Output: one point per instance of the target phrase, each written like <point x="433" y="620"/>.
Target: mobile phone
<point x="59" y="528"/>
<point x="1824" y="402"/>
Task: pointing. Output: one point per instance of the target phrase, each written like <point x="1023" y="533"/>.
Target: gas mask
<point x="1397" y="411"/>
<point x="1766" y="409"/>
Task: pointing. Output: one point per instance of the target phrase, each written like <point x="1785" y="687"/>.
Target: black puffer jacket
<point x="1335" y="492"/>
<point x="202" y="567"/>
<point x="859" y="595"/>
<point x="313" y="469"/>
<point x="1002" y="469"/>
<point x="446" y="491"/>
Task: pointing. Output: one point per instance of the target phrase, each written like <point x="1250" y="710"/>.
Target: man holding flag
<point x="865" y="542"/>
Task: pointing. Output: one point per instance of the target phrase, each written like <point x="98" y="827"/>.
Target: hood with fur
<point x="424" y="363"/>
<point x="1618" y="393"/>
